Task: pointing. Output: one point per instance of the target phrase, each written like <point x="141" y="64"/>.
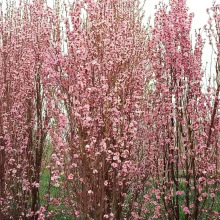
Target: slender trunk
<point x="2" y="176"/>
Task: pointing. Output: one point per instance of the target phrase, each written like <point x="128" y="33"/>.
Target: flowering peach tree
<point x="105" y="117"/>
<point x="182" y="122"/>
<point x="99" y="87"/>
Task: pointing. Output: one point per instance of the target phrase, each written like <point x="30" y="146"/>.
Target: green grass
<point x="56" y="192"/>
<point x="64" y="217"/>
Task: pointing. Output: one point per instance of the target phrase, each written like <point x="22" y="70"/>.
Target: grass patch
<point x="57" y="192"/>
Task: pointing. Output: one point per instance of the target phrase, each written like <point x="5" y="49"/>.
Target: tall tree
<point x="100" y="86"/>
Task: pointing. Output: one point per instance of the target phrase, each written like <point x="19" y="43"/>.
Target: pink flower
<point x="185" y="54"/>
<point x="204" y="194"/>
<point x="54" y="201"/>
<point x="212" y="182"/>
<point x="77" y="213"/>
<point x="200" y="198"/>
<point x="70" y="177"/>
<point x="74" y="165"/>
<point x="124" y="194"/>
<point x="88" y="148"/>
<point x="135" y="215"/>
<point x="135" y="204"/>
<point x="111" y="215"/>
<point x="75" y="156"/>
<point x="179" y="193"/>
<point x="37" y="185"/>
<point x="116" y="157"/>
<point x="63" y="122"/>
<point x="158" y="197"/>
<point x="120" y="183"/>
<point x="90" y="192"/>
<point x="58" y="163"/>
<point x="95" y="171"/>
<point x="114" y="165"/>
<point x="41" y="217"/>
<point x="171" y="147"/>
<point x="212" y="195"/>
<point x="186" y="210"/>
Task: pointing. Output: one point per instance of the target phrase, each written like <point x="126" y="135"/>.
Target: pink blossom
<point x="77" y="213"/>
<point x="186" y="210"/>
<point x="200" y="199"/>
<point x="70" y="177"/>
<point x="135" y="215"/>
<point x="212" y="195"/>
<point x="180" y="193"/>
<point x="115" y="165"/>
<point x="74" y="165"/>
<point x="90" y="192"/>
<point x="95" y="171"/>
<point x="205" y="194"/>
<point x="76" y="156"/>
<point x="120" y="183"/>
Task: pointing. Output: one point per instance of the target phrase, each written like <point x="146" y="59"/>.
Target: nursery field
<point x="105" y="116"/>
<point x="58" y="193"/>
